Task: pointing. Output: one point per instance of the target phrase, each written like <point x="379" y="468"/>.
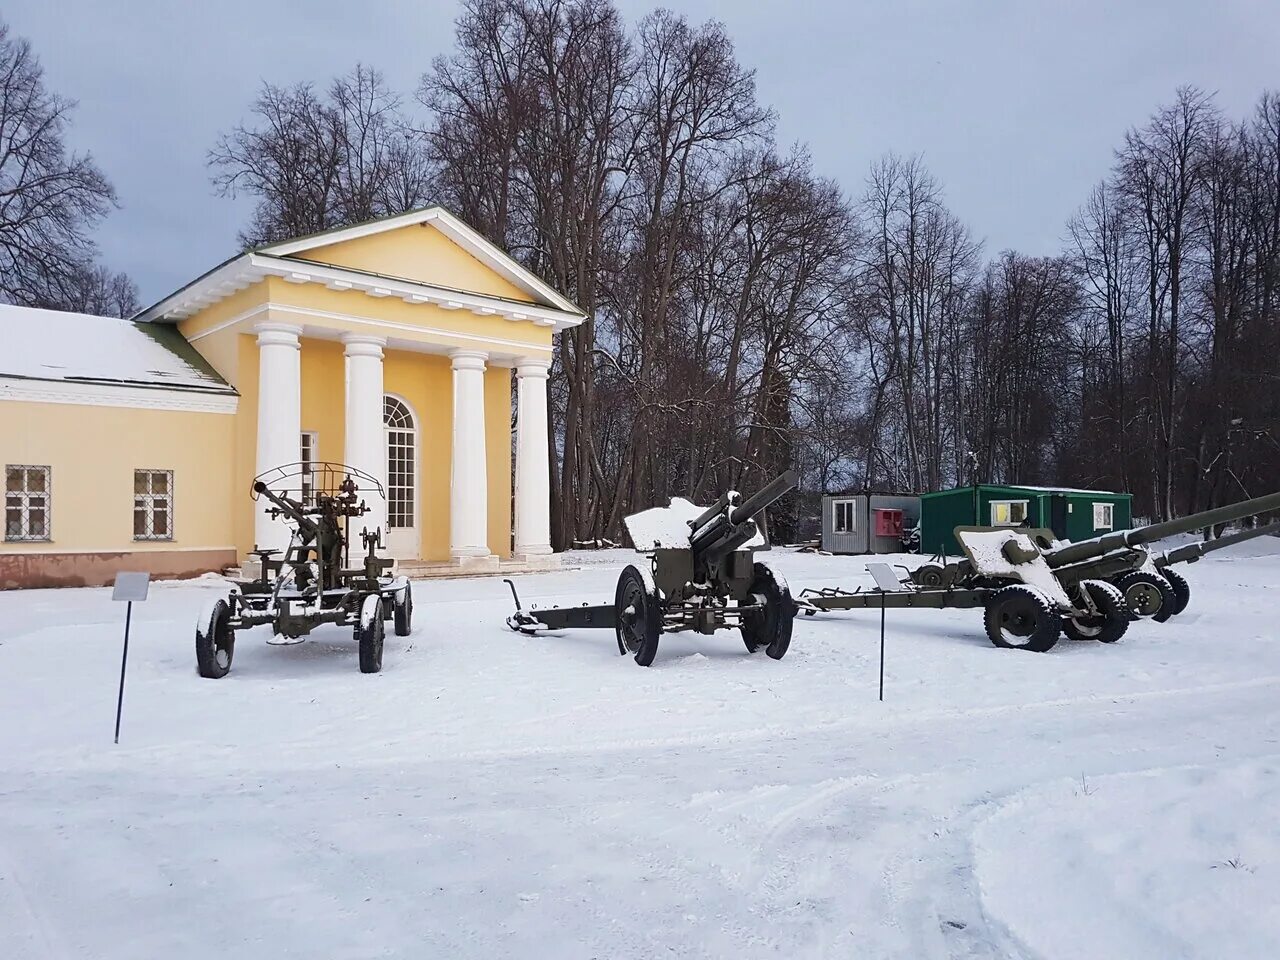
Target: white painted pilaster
<point x="365" y="438"/>
<point x="533" y="477"/>
<point x="279" y="416"/>
<point x="469" y="487"/>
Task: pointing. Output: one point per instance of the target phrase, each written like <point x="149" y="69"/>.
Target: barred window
<point x="308" y="446"/>
<point x="27" y="502"/>
<point x="153" y="504"/>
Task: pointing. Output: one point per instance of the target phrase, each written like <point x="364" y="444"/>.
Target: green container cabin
<point x="1070" y="514"/>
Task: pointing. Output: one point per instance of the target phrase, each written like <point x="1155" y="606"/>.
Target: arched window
<point x="402" y="436"/>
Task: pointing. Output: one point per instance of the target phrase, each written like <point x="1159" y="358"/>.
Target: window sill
<point x="28" y="540"/>
<point x="153" y="539"/>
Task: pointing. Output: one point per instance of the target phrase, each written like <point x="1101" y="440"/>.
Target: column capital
<point x="362" y="345"/>
<point x="278" y="334"/>
<point x="468" y="359"/>
<point x="533" y="367"/>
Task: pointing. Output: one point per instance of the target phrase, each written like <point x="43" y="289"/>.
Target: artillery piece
<point x="703" y="576"/>
<point x="1151" y="589"/>
<point x="313" y="582"/>
<point x="1033" y="587"/>
<point x="1026" y="606"/>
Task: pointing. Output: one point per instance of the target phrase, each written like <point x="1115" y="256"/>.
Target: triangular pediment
<point x="426" y="246"/>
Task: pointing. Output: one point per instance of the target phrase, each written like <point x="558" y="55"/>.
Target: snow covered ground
<point x="495" y="795"/>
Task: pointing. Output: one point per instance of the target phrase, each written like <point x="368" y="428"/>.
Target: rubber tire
<point x="1109" y="626"/>
<point x="772" y="628"/>
<point x="212" y="637"/>
<point x="641" y="639"/>
<point x="928" y="575"/>
<point x="404" y="612"/>
<point x="1181" y="594"/>
<point x="369" y="633"/>
<point x="1140" y="579"/>
<point x="1023" y="602"/>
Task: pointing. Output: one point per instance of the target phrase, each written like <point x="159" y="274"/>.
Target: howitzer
<point x="1032" y="587"/>
<point x="1119" y="558"/>
<point x="1025" y="606"/>
<point x="702" y="576"/>
<point x="310" y="584"/>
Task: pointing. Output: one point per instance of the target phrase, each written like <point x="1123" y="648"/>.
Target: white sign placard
<point x="886" y="580"/>
<point x="131" y="586"/>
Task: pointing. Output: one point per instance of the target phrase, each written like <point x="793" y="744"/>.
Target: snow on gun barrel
<point x="703" y="578"/>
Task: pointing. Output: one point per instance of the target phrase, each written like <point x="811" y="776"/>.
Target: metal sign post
<point x="886" y="582"/>
<point x="128" y="587"/>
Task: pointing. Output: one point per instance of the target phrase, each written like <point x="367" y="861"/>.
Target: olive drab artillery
<point x="703" y="576"/>
<point x="1033" y="588"/>
<point x="1151" y="589"/>
<point x="313" y="583"/>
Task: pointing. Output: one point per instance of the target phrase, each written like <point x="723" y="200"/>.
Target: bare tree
<point x="316" y="163"/>
<point x="97" y="290"/>
<point x="50" y="198"/>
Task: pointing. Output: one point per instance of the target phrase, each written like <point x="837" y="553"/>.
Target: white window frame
<point x="22" y="500"/>
<point x="148" y="502"/>
<point x="1011" y="522"/>
<point x="852" y="516"/>
<point x="1110" y="510"/>
<point x="308" y="444"/>
<point x="403" y="477"/>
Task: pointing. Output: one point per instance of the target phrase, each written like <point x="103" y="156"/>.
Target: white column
<point x="366" y="447"/>
<point x="279" y="416"/>
<point x="469" y="489"/>
<point x="533" y="493"/>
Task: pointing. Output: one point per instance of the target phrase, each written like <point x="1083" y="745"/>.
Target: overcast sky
<point x="1016" y="105"/>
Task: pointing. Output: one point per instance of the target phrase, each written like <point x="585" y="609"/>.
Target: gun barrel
<point x="774" y="490"/>
<point x="1207" y="518"/>
<point x="283" y="504"/>
<point x="711" y="512"/>
<point x="1194" y="551"/>
<point x="1122" y="539"/>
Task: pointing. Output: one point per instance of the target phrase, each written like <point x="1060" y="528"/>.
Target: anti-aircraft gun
<point x="313" y="582"/>
<point x="703" y="576"/>
<point x="1150" y="587"/>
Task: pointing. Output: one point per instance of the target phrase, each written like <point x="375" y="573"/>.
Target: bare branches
<point x="315" y="163"/>
<point x="49" y="198"/>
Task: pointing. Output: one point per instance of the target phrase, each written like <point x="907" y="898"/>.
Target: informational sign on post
<point x="886" y="582"/>
<point x="131" y="588"/>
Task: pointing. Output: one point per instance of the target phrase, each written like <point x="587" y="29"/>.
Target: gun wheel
<point x="1019" y="617"/>
<point x="771" y="627"/>
<point x="403" y="607"/>
<point x="929" y="575"/>
<point x="637" y="616"/>
<point x="215" y="641"/>
<point x="1147" y="595"/>
<point x="369" y="632"/>
<point x="1181" y="594"/>
<point x="1109" y="623"/>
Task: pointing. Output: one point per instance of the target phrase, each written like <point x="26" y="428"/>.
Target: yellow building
<point x="390" y="346"/>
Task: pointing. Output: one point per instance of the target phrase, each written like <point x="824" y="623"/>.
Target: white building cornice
<point x="115" y="395"/>
<point x="253" y="267"/>
<point x="316" y="321"/>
